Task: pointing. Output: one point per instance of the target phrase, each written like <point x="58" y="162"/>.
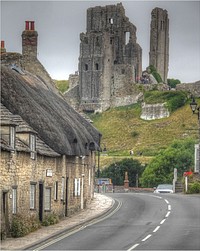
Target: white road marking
<point x="133" y="247"/>
<point x="169" y="207"/>
<point x="147" y="237"/>
<point x="162" y="221"/>
<point x="156" y="229"/>
<point x="167" y="201"/>
<point x="168" y="213"/>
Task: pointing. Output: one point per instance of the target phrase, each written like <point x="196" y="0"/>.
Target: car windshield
<point x="164" y="186"/>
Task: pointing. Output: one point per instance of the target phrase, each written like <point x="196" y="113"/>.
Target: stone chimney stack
<point x="29" y="41"/>
<point x="3" y="50"/>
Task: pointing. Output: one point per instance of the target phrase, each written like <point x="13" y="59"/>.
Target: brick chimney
<point x="3" y="50"/>
<point x="29" y="41"/>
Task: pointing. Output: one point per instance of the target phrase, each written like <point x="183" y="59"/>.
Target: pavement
<point x="100" y="205"/>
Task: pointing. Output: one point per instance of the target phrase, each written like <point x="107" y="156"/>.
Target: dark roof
<point x="56" y="122"/>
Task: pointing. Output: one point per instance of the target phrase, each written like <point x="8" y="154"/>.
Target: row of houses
<point x="47" y="148"/>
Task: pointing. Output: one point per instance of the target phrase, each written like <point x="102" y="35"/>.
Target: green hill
<point x="123" y="130"/>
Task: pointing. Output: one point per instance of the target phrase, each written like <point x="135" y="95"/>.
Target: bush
<point x="50" y="219"/>
<point x="154" y="72"/>
<point x="194" y="187"/>
<point x="22" y="225"/>
<point x="173" y="82"/>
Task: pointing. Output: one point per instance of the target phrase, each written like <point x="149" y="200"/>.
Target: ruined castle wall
<point x="193" y="88"/>
<point x="159" y="42"/>
<point x="154" y="111"/>
<point x="110" y="41"/>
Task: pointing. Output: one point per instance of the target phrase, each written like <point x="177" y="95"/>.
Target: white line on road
<point x="133" y="247"/>
<point x="167" y="201"/>
<point x="147" y="237"/>
<point x="156" y="229"/>
<point x="162" y="221"/>
<point x="168" y="213"/>
<point x="169" y="207"/>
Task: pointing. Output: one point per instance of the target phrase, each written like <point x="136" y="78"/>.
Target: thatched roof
<point x="56" y="123"/>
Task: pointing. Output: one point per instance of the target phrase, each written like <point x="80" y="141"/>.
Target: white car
<point x="164" y="188"/>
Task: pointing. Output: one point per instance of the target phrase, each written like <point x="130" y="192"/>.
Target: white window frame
<point x="32" y="145"/>
<point x="32" y="196"/>
<point x="56" y="190"/>
<point x="14" y="200"/>
<point x="12" y="136"/>
<point x="47" y="199"/>
<point x="62" y="188"/>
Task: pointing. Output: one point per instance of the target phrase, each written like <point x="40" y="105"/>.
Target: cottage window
<point x="62" y="188"/>
<point x="32" y="145"/>
<point x="77" y="186"/>
<point x="56" y="190"/>
<point x="47" y="199"/>
<point x="32" y="196"/>
<point x="12" y="136"/>
<point x="14" y="200"/>
<point x="96" y="67"/>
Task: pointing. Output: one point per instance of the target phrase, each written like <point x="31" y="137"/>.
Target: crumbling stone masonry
<point x="110" y="59"/>
<point x="159" y="42"/>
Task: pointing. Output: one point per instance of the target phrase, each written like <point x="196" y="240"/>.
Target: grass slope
<point x="123" y="130"/>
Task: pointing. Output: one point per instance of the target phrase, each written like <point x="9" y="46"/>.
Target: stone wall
<point x="159" y="42"/>
<point x="154" y="111"/>
<point x="193" y="88"/>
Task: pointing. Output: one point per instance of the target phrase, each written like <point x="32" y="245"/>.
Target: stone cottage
<point x="48" y="149"/>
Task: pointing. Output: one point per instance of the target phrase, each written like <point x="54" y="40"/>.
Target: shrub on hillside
<point x="194" y="188"/>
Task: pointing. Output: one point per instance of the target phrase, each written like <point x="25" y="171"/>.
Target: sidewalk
<point x="99" y="205"/>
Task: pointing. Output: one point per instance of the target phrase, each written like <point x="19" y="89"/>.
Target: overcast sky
<point x="59" y="24"/>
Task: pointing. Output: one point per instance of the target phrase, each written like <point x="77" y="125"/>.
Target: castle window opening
<point x="111" y="20"/>
<point x="86" y="67"/>
<point x="127" y="37"/>
<point x="96" y="67"/>
<point x="123" y="71"/>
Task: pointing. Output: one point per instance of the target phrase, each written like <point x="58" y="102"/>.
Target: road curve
<point x="143" y="222"/>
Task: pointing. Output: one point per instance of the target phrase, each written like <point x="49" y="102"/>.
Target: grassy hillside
<point x="123" y="130"/>
<point x="62" y="85"/>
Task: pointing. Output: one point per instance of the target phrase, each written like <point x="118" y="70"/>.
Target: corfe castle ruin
<point x="110" y="61"/>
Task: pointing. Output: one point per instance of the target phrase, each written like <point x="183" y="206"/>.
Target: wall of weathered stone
<point x="193" y="88"/>
<point x="154" y="111"/>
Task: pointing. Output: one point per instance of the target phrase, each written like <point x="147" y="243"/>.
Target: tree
<point x="179" y="155"/>
<point x="173" y="82"/>
<point x="116" y="171"/>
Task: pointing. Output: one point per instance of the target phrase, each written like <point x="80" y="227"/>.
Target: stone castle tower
<point x="159" y="42"/>
<point x="110" y="59"/>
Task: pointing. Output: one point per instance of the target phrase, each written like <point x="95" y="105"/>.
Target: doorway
<point x="41" y="191"/>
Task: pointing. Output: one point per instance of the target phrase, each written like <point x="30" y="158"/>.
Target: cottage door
<point x="4" y="216"/>
<point x="40" y="201"/>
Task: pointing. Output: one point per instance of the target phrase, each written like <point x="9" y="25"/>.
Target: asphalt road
<point x="142" y="222"/>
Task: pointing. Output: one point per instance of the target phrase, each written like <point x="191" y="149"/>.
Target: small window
<point x="14" y="200"/>
<point x="96" y="67"/>
<point x="111" y="20"/>
<point x="32" y="196"/>
<point x="47" y="199"/>
<point x="77" y="187"/>
<point x="86" y="67"/>
<point x="127" y="37"/>
<point x="56" y="190"/>
<point x="12" y="136"/>
<point x="62" y="188"/>
<point x="123" y="71"/>
<point x="32" y="145"/>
